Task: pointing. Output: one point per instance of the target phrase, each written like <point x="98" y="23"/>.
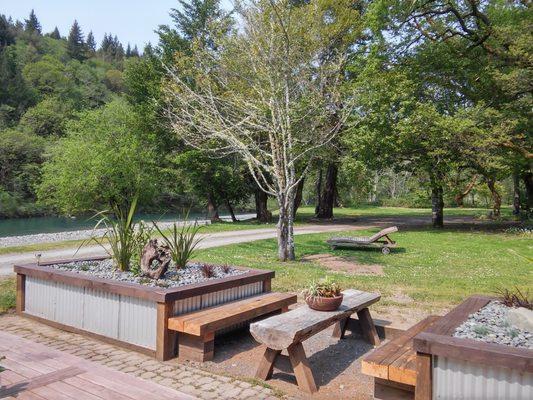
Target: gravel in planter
<point x="490" y="325"/>
<point x="192" y="273"/>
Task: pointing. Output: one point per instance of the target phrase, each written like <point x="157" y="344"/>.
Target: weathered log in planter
<point x="455" y="368"/>
<point x="127" y="314"/>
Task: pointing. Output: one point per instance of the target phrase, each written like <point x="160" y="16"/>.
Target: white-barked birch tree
<point x="265" y="93"/>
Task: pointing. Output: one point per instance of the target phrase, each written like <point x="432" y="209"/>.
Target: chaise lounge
<point x="367" y="241"/>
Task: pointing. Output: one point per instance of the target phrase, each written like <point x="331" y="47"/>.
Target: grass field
<point x="433" y="268"/>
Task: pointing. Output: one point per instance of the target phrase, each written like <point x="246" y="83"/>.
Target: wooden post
<point x="368" y="327"/>
<point x="165" y="339"/>
<point x="266" y="365"/>
<point x="340" y="328"/>
<point x="21" y="293"/>
<point x="267" y="285"/>
<point x="424" y="386"/>
<point x="301" y="368"/>
<point x="196" y="348"/>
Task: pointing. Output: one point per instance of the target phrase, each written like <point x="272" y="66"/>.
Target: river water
<point x="34" y="225"/>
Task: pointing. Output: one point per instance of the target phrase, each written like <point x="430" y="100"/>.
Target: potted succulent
<point x="324" y="295"/>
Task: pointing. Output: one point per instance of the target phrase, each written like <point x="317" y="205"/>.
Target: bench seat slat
<point x="222" y="316"/>
<point x="396" y="360"/>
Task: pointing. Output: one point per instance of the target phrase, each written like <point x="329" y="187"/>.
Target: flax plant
<point x="182" y="241"/>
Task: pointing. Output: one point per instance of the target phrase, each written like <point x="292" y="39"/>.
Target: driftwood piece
<point x="153" y="251"/>
<point x="281" y="331"/>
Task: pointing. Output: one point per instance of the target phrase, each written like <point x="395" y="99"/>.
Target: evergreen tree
<point x="75" y="43"/>
<point x="6" y="33"/>
<point x="32" y="23"/>
<point x="91" y="43"/>
<point x="135" y="51"/>
<point x="128" y="51"/>
<point x="55" y="34"/>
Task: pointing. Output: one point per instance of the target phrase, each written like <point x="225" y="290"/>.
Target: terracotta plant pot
<point x="324" y="303"/>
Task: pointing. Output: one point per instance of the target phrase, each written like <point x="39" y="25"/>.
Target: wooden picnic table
<point x="287" y="331"/>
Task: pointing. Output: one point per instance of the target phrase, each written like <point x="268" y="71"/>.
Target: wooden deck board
<point x="36" y="372"/>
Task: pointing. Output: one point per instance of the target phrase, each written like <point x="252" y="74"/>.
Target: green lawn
<point x="7" y="294"/>
<point x="434" y="268"/>
<point x="306" y="212"/>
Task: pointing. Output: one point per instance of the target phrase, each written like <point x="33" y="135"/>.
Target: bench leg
<point x="266" y="365"/>
<point x="340" y="328"/>
<point x="196" y="348"/>
<point x="300" y="366"/>
<point x="368" y="327"/>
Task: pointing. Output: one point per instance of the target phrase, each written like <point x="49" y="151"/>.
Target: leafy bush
<point x="182" y="241"/>
<point x="323" y="288"/>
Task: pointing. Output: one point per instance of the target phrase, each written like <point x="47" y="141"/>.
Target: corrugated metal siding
<point x="125" y="318"/>
<point x="40" y="298"/>
<point x="104" y="321"/>
<point x="137" y="321"/>
<point x="69" y="304"/>
<point x="456" y="380"/>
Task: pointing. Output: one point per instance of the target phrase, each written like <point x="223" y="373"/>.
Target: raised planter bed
<point x="127" y="314"/>
<point x="458" y="368"/>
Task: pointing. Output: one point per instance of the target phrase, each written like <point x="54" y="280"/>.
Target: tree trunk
<point x="437" y="207"/>
<point x="261" y="207"/>
<point x="327" y="198"/>
<point x="298" y="198"/>
<point x="231" y="212"/>
<point x="516" y="194"/>
<point x="286" y="229"/>
<point x="318" y="191"/>
<point x="459" y="198"/>
<point x="212" y="208"/>
<point x="496" y="197"/>
<point x="528" y="182"/>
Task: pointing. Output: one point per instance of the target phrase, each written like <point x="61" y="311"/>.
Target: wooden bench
<point x="197" y="329"/>
<point x="394" y="364"/>
<point x="287" y="332"/>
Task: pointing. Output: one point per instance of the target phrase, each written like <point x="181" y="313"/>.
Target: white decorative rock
<point x="522" y="318"/>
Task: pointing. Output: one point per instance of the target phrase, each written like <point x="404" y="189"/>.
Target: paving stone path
<point x="182" y="377"/>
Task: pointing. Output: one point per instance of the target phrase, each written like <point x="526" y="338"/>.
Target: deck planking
<point x="36" y="372"/>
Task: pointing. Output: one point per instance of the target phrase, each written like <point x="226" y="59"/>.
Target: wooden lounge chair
<point x="367" y="241"/>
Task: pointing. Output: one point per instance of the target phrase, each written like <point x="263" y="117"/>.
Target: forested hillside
<point x="46" y="80"/>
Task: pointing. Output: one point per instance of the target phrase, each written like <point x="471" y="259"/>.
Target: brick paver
<point x="182" y="377"/>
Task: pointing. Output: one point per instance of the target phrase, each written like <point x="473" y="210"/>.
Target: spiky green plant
<point x="182" y="240"/>
<point x="119" y="234"/>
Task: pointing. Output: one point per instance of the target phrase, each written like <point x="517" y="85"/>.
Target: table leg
<point x="266" y="365"/>
<point x="368" y="327"/>
<point x="302" y="371"/>
<point x="340" y="328"/>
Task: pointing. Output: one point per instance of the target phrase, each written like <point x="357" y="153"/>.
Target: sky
<point x="133" y="21"/>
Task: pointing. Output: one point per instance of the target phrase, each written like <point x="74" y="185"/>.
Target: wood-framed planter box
<point x="456" y="368"/>
<point x="127" y="314"/>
